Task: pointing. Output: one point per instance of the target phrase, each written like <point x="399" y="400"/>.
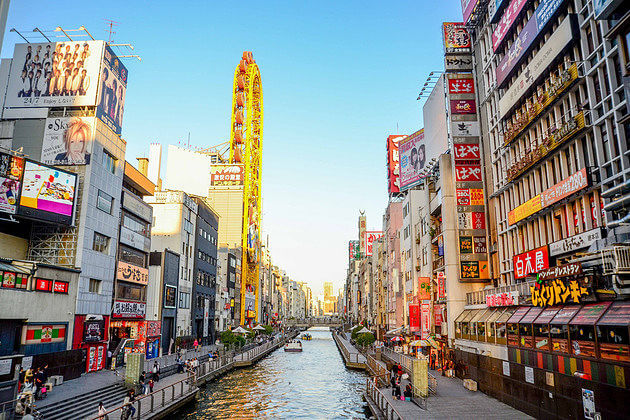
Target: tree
<point x="355" y="331"/>
<point x="365" y="339"/>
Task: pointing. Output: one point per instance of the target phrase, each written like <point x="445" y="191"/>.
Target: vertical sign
<point x="414" y="318"/>
<point x="425" y="320"/>
<point x="206" y="316"/>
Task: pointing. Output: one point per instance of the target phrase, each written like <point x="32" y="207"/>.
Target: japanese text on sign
<point x="459" y="86"/>
<point x="467" y="151"/>
<point x="531" y="262"/>
<point x="557" y="292"/>
<point x="565" y="270"/>
<point x="468" y="173"/>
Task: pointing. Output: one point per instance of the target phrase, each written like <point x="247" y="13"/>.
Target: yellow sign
<point x="557" y="292"/>
<point x="526" y="209"/>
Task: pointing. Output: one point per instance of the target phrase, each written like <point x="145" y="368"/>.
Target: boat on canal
<point x="306" y="336"/>
<point x="293" y="346"/>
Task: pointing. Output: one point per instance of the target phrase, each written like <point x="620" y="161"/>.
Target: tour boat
<point x="293" y="346"/>
<point x="306" y="337"/>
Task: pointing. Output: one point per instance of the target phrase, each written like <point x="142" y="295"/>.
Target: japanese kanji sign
<point x="531" y="262"/>
<point x="368" y="238"/>
<point x="474" y="270"/>
<point x="424" y="288"/>
<point x="471" y="220"/>
<point x="470" y="197"/>
<point x="467" y="151"/>
<point x="463" y="106"/>
<point x="565" y="270"/>
<point x="468" y="173"/>
<point x="557" y="292"/>
<point x="502" y="299"/>
<point x="459" y="86"/>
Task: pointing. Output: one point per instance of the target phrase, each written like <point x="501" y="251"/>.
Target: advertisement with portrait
<point x="11" y="171"/>
<point x="47" y="194"/>
<point x="227" y="175"/>
<point x="68" y="140"/>
<point x="456" y="37"/>
<point x="412" y="159"/>
<point x="393" y="164"/>
<point x="112" y="90"/>
<point x="54" y="74"/>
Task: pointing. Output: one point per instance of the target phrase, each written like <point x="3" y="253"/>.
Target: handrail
<point x="382" y="401"/>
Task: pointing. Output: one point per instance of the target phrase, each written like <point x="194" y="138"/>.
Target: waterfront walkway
<point x="351" y="356"/>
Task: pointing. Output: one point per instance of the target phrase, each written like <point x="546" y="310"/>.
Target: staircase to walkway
<point x="85" y="405"/>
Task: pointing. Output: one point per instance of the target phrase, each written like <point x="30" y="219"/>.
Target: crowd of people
<point x="396" y="377"/>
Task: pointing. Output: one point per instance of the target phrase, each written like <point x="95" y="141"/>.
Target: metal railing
<point x="8" y="409"/>
<point x="157" y="400"/>
<point x="378" y="370"/>
<point x="256" y="351"/>
<point x="383" y="403"/>
<point x="406" y="363"/>
<point x="616" y="260"/>
<point x="349" y="357"/>
<point x="479" y="297"/>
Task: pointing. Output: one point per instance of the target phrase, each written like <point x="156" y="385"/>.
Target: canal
<point x="314" y="384"/>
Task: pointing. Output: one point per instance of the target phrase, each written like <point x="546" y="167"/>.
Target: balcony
<point x="435" y="231"/>
<point x="616" y="260"/>
<point x="479" y="297"/>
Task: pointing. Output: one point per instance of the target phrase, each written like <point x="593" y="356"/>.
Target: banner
<point x="353" y="250"/>
<point x="368" y="239"/>
<point x="425" y="320"/>
<point x="54" y="74"/>
<point x="113" y="87"/>
<point x="441" y="285"/>
<point x="414" y="318"/>
<point x="412" y="159"/>
<point x="531" y="262"/>
<point x="68" y="140"/>
<point x="507" y="20"/>
<point x="393" y="164"/>
<point x="424" y="288"/>
<point x="456" y="37"/>
<point x="127" y="309"/>
<point x="11" y="171"/>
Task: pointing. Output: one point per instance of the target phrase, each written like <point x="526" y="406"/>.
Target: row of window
<point x="136" y="224"/>
<point x="207" y="258"/>
<point x="206" y="279"/>
<point x="208" y="236"/>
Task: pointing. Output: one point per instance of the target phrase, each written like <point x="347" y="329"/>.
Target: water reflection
<point x="313" y="384"/>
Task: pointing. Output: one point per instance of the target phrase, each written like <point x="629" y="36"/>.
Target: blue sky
<point x="338" y="77"/>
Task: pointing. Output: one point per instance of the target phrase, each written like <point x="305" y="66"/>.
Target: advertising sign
<point x="588" y="402"/>
<point x="575" y="242"/>
<point x="471" y="220"/>
<point x="154" y="328"/>
<point x="458" y="62"/>
<point x="470" y="197"/>
<point x="468" y="6"/>
<point x="468" y="173"/>
<point x="441" y="285"/>
<point x="43" y="285"/>
<point x="465" y="128"/>
<point x="93" y="330"/>
<point x="54" y="74"/>
<point x="226" y="175"/>
<point x="68" y="141"/>
<point x="502" y="299"/>
<point x="526" y="37"/>
<point x="436" y="133"/>
<point x="11" y="171"/>
<point x="127" y="309"/>
<point x="466" y="152"/>
<point x="61" y="287"/>
<point x="353" y="250"/>
<point x="393" y="164"/>
<point x="507" y="20"/>
<point x="463" y="106"/>
<point x="564" y="188"/>
<point x="474" y="270"/>
<point x="565" y="270"/>
<point x="414" y="317"/>
<point x="368" y="239"/>
<point x="456" y="37"/>
<point x="531" y="262"/>
<point x="537" y="66"/>
<point x="170" y="296"/>
<point x="461" y="86"/>
<point x="113" y="86"/>
<point x="557" y="292"/>
<point x="425" y="320"/>
<point x="424" y="288"/>
<point x="531" y="206"/>
<point x="47" y="193"/>
<point x="132" y="273"/>
<point x="412" y="159"/>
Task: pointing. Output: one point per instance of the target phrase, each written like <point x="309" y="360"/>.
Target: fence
<point x="378" y="370"/>
<point x="349" y="357"/>
<point x="389" y="412"/>
<point x="157" y="400"/>
<point x="407" y="364"/>
<point x="252" y="354"/>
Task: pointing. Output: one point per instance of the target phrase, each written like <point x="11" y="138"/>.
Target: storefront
<point x="154" y="332"/>
<point x="92" y="331"/>
<point x="128" y="329"/>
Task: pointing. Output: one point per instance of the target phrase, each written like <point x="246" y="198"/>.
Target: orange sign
<point x="132" y="273"/>
<point x="524" y="210"/>
<point x="424" y="288"/>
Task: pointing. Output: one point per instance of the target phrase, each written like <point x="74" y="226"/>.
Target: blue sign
<point x="112" y="89"/>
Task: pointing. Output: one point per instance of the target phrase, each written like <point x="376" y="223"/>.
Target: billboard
<point x="545" y="10"/>
<point x="11" y="170"/>
<point x="468" y="7"/>
<point x="368" y="239"/>
<point x="456" y="37"/>
<point x="132" y="273"/>
<point x="465" y="128"/>
<point x="507" y="20"/>
<point x="353" y="250"/>
<point x="466" y="151"/>
<point x="54" y="74"/>
<point x="47" y="193"/>
<point x="531" y="262"/>
<point x="412" y="159"/>
<point x="470" y="197"/>
<point x="226" y="175"/>
<point x="436" y="133"/>
<point x="393" y="164"/>
<point x="111" y="94"/>
<point x="68" y="140"/>
<point x="129" y="309"/>
<point x="461" y="85"/>
<point x="463" y="106"/>
<point x="470" y="173"/>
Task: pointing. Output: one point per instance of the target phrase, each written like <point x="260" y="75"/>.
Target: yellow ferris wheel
<point x="246" y="149"/>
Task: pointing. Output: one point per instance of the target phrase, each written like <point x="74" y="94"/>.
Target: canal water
<point x="313" y="384"/>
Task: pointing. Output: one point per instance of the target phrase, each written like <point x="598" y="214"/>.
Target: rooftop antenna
<point x="189" y="140"/>
<point x="110" y="30"/>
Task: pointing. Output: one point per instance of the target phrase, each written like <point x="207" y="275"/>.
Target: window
<point x="132" y="256"/>
<point x="184" y="300"/>
<point x="101" y="243"/>
<point x="95" y="286"/>
<point x="170" y="295"/>
<point x="131" y="291"/>
<point x="136" y="224"/>
<point x="109" y="161"/>
<point x="104" y="202"/>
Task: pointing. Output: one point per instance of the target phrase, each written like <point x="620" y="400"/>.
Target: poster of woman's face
<point x="54" y="74"/>
<point x="68" y="141"/>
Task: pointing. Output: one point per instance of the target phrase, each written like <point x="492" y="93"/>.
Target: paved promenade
<point x="353" y="356"/>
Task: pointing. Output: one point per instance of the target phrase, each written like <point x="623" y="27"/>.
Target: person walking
<point x="151" y="385"/>
<point x="128" y="403"/>
<point x="142" y="380"/>
<point x="102" y="411"/>
<point x="156" y="371"/>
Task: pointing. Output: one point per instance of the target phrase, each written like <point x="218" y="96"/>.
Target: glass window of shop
<point x="466" y="326"/>
<point x="478" y="331"/>
<point x="541" y="328"/>
<point x="170" y="296"/>
<point x="500" y="325"/>
<point x="613" y="333"/>
<point x="458" y="323"/>
<point x="559" y="328"/>
<point x="513" y="325"/>
<point x="582" y="329"/>
<point x="525" y="327"/>
<point x="132" y="256"/>
<point x="491" y="324"/>
<point x="136" y="224"/>
<point x="130" y="291"/>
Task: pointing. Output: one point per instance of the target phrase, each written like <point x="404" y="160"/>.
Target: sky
<point x="338" y="77"/>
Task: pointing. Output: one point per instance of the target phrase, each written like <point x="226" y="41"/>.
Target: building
<point x="164" y="272"/>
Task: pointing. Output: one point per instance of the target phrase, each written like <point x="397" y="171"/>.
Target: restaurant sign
<point x="575" y="242"/>
<point x="531" y="262"/>
<point x="502" y="299"/>
<point x="132" y="273"/>
<point x="557" y="292"/>
<point x="126" y="309"/>
<point x="565" y="270"/>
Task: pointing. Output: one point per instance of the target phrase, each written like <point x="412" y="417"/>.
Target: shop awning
<point x="463" y="315"/>
<point x="617" y="314"/>
<point x="565" y="314"/>
<point x="531" y="315"/>
<point x="481" y="313"/>
<point x="507" y="314"/>
<point x="590" y="314"/>
<point x="394" y="331"/>
<point x="520" y="313"/>
<point x="495" y="314"/>
<point x="419" y="343"/>
<point x="472" y="314"/>
<point x="12" y="268"/>
<point x="547" y="315"/>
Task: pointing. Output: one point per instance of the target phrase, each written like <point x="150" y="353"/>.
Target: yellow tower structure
<point x="246" y="149"/>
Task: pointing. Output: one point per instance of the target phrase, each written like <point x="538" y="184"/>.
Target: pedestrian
<point x="141" y="380"/>
<point x="156" y="371"/>
<point x="102" y="411"/>
<point x="196" y="344"/>
<point x="37" y="377"/>
<point x="129" y="400"/>
<point x="151" y="383"/>
<point x="408" y="392"/>
<point x="109" y="358"/>
<point x="394" y="371"/>
<point x="21" y="379"/>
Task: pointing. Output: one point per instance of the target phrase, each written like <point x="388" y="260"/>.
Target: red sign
<point x="458" y="86"/>
<point x="414" y="318"/>
<point x="564" y="188"/>
<point x="368" y="239"/>
<point x="504" y="25"/>
<point x="468" y="173"/>
<point x="424" y="288"/>
<point x="441" y="285"/>
<point x="531" y="262"/>
<point x="463" y="106"/>
<point x="43" y="285"/>
<point x="154" y="328"/>
<point x="393" y="164"/>
<point x="437" y="315"/>
<point x="467" y="152"/>
<point x="426" y="321"/>
<point x="61" y="287"/>
<point x="502" y="299"/>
